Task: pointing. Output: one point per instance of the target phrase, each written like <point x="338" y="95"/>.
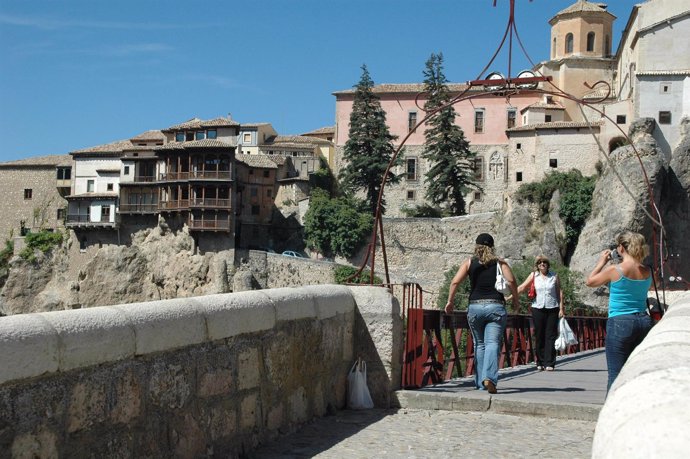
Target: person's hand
<point x="561" y="313"/>
<point x="449" y="308"/>
<point x="605" y="256"/>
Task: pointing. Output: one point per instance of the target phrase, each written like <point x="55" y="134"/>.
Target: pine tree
<point x="451" y="174"/>
<point x="369" y="148"/>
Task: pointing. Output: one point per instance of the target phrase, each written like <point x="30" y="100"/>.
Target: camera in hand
<point x="615" y="256"/>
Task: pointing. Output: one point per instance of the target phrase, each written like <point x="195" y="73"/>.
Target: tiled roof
<point x="50" y="160"/>
<point x="113" y="147"/>
<point x="205" y="143"/>
<point x="254" y="125"/>
<point x="196" y="123"/>
<point x="404" y="88"/>
<point x="297" y="139"/>
<point x="289" y="145"/>
<point x="322" y="131"/>
<point x="663" y="72"/>
<point x="148" y="136"/>
<point x="261" y="161"/>
<point x="544" y="105"/>
<point x="555" y="125"/>
<point x="278" y="159"/>
<point x="583" y="6"/>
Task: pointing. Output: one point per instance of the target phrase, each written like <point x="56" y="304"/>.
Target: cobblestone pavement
<point x="426" y="434"/>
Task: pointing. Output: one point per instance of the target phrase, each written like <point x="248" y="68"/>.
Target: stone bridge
<point x="218" y="376"/>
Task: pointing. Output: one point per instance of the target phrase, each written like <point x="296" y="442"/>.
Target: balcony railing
<point x="196" y="175"/>
<point x="144" y="178"/>
<point x="210" y="203"/>
<point x="87" y="220"/>
<point x="174" y="205"/>
<point x="138" y="208"/>
<point x="209" y="225"/>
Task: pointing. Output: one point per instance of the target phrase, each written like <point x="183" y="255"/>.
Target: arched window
<point x="590" y="41"/>
<point x="607" y="46"/>
<point x="553" y="52"/>
<point x="569" y="43"/>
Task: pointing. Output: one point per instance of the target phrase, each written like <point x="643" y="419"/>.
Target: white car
<point x="290" y="253"/>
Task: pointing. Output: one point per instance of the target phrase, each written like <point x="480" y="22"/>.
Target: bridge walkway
<point x="534" y="414"/>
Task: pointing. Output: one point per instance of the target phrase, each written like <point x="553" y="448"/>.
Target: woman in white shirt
<point x="547" y="308"/>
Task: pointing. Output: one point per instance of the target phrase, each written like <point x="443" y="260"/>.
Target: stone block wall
<point x="196" y="377"/>
<point x="646" y="411"/>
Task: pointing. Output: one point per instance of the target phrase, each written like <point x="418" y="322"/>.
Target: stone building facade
<point x="33" y="192"/>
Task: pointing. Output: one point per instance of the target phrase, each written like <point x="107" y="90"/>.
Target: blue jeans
<point x="623" y="334"/>
<point x="487" y="323"/>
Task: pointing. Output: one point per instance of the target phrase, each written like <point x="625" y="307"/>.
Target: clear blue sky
<point x="74" y="74"/>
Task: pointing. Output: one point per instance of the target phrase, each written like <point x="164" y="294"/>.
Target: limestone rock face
<point x="621" y="197"/>
<point x="159" y="264"/>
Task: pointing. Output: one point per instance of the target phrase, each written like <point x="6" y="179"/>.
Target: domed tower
<point x="582" y="29"/>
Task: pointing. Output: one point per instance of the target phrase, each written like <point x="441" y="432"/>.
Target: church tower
<point x="583" y="29"/>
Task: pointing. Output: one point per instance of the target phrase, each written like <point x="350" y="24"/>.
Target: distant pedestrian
<point x="486" y="313"/>
<point x="629" y="281"/>
<point x="547" y="307"/>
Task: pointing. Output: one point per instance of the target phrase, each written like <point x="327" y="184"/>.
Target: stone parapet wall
<point x="646" y="412"/>
<point x="203" y="376"/>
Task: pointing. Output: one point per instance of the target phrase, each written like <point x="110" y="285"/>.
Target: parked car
<point x="290" y="253"/>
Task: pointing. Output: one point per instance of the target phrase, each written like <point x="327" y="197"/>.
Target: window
<point x="269" y="193"/>
<point x="64" y="173"/>
<point x="251" y="171"/>
<point x="267" y="174"/>
<point x="590" y="42"/>
<point x="109" y="187"/>
<point x="553" y="48"/>
<point x="411" y="168"/>
<point x="211" y="134"/>
<point x="518" y="146"/>
<point x="477" y="196"/>
<point x="665" y="88"/>
<point x="126" y="170"/>
<point x="61" y="213"/>
<point x="254" y="192"/>
<point x="512" y="116"/>
<point x="90" y="186"/>
<point x="255" y="210"/>
<point x="664" y="117"/>
<point x="479" y="121"/>
<point x="569" y="43"/>
<point x="479" y="169"/>
<point x="247" y="138"/>
<point x="607" y="47"/>
<point x="200" y="135"/>
<point x="620" y="119"/>
<point x="189" y="136"/>
<point x="553" y="162"/>
<point x="518" y="176"/>
<point x="411" y="121"/>
<point x="28" y="193"/>
<point x="410" y="195"/>
<point x="547" y="118"/>
<point x="105" y="213"/>
<point x="179" y="137"/>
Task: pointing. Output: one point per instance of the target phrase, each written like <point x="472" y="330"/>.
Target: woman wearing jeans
<point x="629" y="281"/>
<point x="547" y="307"/>
<point x="486" y="313"/>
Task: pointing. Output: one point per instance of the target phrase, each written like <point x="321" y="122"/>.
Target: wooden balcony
<point x="195" y="175"/>
<point x="180" y="204"/>
<point x="138" y="208"/>
<point x="209" y="224"/>
<point x="210" y="203"/>
<point x="85" y="221"/>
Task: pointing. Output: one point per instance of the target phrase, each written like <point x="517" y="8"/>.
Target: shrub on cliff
<point x="343" y="273"/>
<point x="43" y="241"/>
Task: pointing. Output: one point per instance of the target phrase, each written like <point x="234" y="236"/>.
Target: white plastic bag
<point x="358" y="397"/>
<point x="501" y="282"/>
<point x="566" y="337"/>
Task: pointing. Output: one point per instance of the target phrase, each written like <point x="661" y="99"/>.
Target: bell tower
<point x="581" y="30"/>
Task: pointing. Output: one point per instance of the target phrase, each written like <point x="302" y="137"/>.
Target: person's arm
<point x="457" y="279"/>
<point x="525" y="285"/>
<point x="600" y="276"/>
<point x="561" y="297"/>
<point x="508" y="274"/>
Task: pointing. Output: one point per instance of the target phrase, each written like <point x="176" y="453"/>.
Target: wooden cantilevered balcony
<point x="179" y="204"/>
<point x="86" y="221"/>
<point x="138" y="208"/>
<point x="195" y="175"/>
<point x="210" y="203"/>
<point x="209" y="224"/>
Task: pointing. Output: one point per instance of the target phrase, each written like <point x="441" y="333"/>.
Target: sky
<point x="80" y="73"/>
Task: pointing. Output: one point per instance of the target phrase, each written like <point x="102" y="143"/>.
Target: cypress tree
<point x="369" y="147"/>
<point x="451" y="175"/>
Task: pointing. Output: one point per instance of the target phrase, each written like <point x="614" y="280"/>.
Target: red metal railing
<point x="438" y="346"/>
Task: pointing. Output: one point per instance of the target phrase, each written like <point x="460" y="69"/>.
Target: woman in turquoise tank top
<point x="629" y="281"/>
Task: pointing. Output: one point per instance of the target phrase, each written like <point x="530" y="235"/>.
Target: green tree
<point x="369" y="147"/>
<point x="336" y="226"/>
<point x="451" y="175"/>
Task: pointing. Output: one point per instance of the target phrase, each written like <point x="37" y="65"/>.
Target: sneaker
<point x="489" y="386"/>
<point x="540" y="368"/>
<point x="549" y="368"/>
